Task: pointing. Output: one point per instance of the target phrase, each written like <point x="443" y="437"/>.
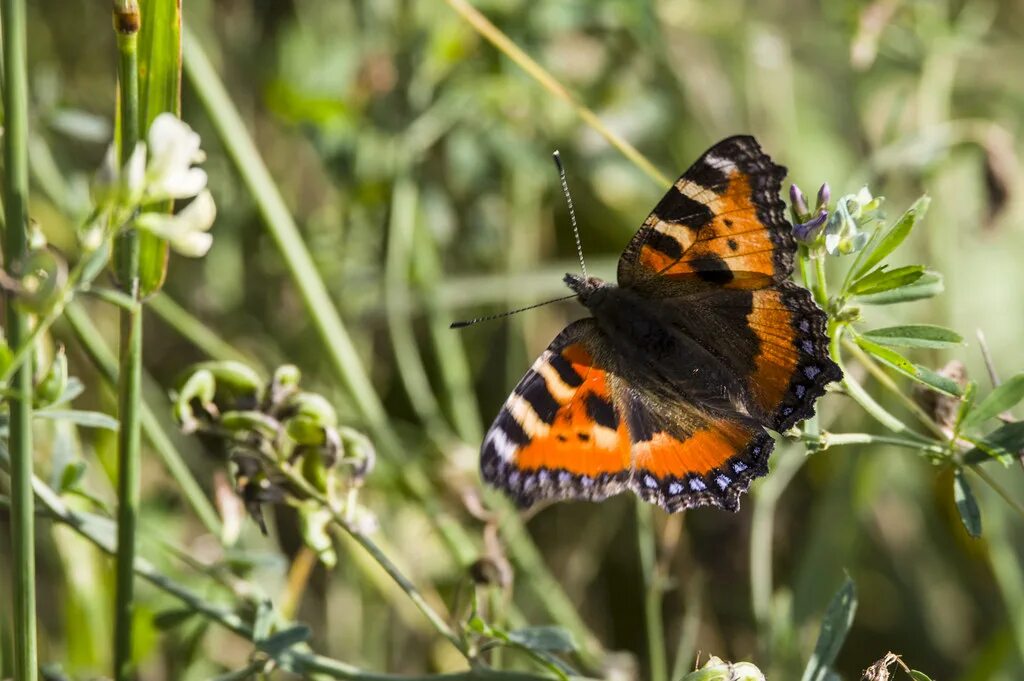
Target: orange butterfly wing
<point x="574" y="428"/>
<point x="721" y="223"/>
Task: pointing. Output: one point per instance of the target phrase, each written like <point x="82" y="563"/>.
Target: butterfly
<point x="668" y="388"/>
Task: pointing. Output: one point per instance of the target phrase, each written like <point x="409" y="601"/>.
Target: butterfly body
<point x="668" y="387"/>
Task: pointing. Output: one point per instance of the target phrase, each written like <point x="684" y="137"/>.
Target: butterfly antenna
<point x="572" y="213"/>
<point x="470" y="322"/>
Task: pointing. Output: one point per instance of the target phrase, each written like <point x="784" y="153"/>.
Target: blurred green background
<point x="416" y="160"/>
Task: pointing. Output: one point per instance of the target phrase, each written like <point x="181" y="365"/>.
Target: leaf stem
<point x="15" y="248"/>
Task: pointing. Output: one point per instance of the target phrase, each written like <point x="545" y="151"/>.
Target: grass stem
<point x="647" y="544"/>
<point x="127" y="20"/>
<point x="15" y="247"/>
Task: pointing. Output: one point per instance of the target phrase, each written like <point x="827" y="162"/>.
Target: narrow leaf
<point x="168" y="619"/>
<point x="1003" y="443"/>
<point x="919" y="676"/>
<point x="86" y="419"/>
<point x="277" y="644"/>
<point x="1003" y="398"/>
<point x="895" y="236"/>
<point x="929" y="285"/>
<point x="966" y="504"/>
<point x="915" y="336"/>
<point x="548" y="639"/>
<point x="904" y="366"/>
<point x="834" y="627"/>
<point x="882" y="280"/>
<point x="159" y="91"/>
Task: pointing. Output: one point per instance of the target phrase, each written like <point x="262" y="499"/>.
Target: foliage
<point x="397" y="156"/>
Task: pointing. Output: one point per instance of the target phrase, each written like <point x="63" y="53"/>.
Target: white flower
<point x="173" y="148"/>
<point x="188" y="231"/>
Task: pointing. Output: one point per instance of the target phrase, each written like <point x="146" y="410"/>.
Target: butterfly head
<point x="589" y="289"/>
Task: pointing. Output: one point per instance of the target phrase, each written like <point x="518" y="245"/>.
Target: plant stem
<point x="378" y="555"/>
<point x="820" y="284"/>
<point x="999" y="489"/>
<point x="126" y="25"/>
<point x="15" y="246"/>
<point x="788" y="463"/>
<point x="492" y="33"/>
<point x="194" y="330"/>
<point x="827" y="440"/>
<point x="652" y="591"/>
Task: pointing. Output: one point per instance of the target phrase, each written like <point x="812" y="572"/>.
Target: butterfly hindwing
<point x="578" y="427"/>
<point x="684" y="456"/>
<point x="560" y="434"/>
<point x="721" y="223"/>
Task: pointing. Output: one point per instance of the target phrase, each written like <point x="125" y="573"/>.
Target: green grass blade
<point x="15" y="247"/>
<point x="834" y="627"/>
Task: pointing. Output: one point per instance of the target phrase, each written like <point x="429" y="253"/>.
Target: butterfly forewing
<point x="722" y="223"/>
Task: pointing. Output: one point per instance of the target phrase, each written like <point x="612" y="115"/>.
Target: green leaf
<point x="278" y="643"/>
<point x="966" y="504"/>
<point x="834" y="628"/>
<point x="71" y="475"/>
<point x="929" y="285"/>
<point x="883" y="279"/>
<point x="919" y="676"/>
<point x="548" y="639"/>
<point x="159" y="91"/>
<point x="915" y="336"/>
<point x="904" y="366"/>
<point x="1004" y="443"/>
<point x="262" y="621"/>
<point x="1003" y="398"/>
<point x="86" y="419"/>
<point x="895" y="236"/>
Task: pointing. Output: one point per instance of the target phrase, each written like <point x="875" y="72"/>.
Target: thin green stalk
<point x="503" y="43"/>
<point x="788" y="463"/>
<point x="820" y="283"/>
<point x="194" y="330"/>
<point x="127" y="21"/>
<point x="998" y="489"/>
<point x="15" y="246"/>
<point x="378" y="555"/>
<point x="96" y="348"/>
<point x="449" y="349"/>
<point x="401" y="232"/>
<point x="652" y="591"/>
